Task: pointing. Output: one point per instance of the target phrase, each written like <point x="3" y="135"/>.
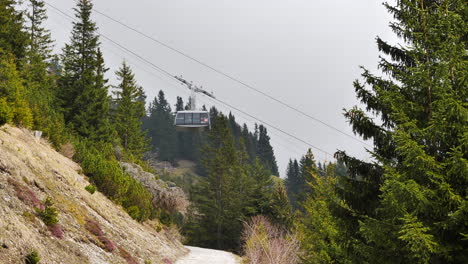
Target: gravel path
<point x="208" y="256"/>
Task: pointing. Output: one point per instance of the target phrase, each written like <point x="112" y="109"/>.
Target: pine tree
<point x="280" y="210"/>
<point x="40" y="41"/>
<point x="160" y="125"/>
<point x="84" y="90"/>
<point x="410" y="205"/>
<point x="130" y="109"/>
<point x="40" y="82"/>
<point x="322" y="239"/>
<point x="179" y="106"/>
<point x="265" y="150"/>
<point x="218" y="200"/>
<point x="294" y="182"/>
<point x="13" y="37"/>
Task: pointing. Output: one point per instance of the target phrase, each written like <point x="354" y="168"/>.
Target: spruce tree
<point x="160" y="125"/>
<point x="129" y="111"/>
<point x="265" y="150"/>
<point x="409" y="206"/>
<point x="40" y="41"/>
<point x="13" y="37"/>
<point x="293" y="182"/>
<point x="218" y="198"/>
<point x="39" y="80"/>
<point x="84" y="90"/>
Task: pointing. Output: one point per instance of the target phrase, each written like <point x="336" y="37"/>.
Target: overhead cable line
<point x="243" y="83"/>
<point x="175" y="79"/>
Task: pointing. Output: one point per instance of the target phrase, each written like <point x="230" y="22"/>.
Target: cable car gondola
<point x="192" y="120"/>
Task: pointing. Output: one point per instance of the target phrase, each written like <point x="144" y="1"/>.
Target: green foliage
<point x="84" y="92"/>
<point x="233" y="190"/>
<point x="90" y="188"/>
<point x="13" y="38"/>
<point x="49" y="214"/>
<point x="32" y="258"/>
<point x="38" y="78"/>
<point x="265" y="150"/>
<point x="160" y="126"/>
<point x="40" y="42"/>
<point x="321" y="234"/>
<point x="128" y="113"/>
<point x="100" y="164"/>
<point x="410" y="205"/>
<point x="13" y="92"/>
<point x="6" y="113"/>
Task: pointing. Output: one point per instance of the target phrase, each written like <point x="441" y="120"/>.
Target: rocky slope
<point x="91" y="228"/>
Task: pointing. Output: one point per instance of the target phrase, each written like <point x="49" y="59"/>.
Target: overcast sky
<point x="306" y="53"/>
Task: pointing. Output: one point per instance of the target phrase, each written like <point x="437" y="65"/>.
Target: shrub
<point x="134" y="212"/>
<point x="56" y="231"/>
<point x="50" y="214"/>
<point x="25" y="194"/>
<point x="266" y="243"/>
<point x="32" y="258"/>
<point x="91" y="188"/>
<point x="99" y="163"/>
<point x="94" y="228"/>
<point x="124" y="254"/>
<point x="6" y="113"/>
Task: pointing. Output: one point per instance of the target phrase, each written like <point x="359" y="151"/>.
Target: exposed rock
<point x="165" y="194"/>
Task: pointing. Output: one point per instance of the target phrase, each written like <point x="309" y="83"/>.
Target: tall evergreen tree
<point x="410" y="205"/>
<point x="40" y="41"/>
<point x="265" y="150"/>
<point x="13" y="37"/>
<point x="84" y="90"/>
<point x="160" y="125"/>
<point x="293" y="182"/>
<point x="218" y="199"/>
<point x="130" y="109"/>
<point x="40" y="81"/>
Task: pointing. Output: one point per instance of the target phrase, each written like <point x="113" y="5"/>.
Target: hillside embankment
<point x="91" y="228"/>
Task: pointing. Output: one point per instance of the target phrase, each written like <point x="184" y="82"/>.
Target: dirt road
<point x="208" y="256"/>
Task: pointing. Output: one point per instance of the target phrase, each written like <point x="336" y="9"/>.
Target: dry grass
<point x="266" y="243"/>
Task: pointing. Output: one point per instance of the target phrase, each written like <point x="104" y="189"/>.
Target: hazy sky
<point x="306" y="53"/>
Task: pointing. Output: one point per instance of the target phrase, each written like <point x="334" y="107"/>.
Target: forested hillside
<point x="172" y="145"/>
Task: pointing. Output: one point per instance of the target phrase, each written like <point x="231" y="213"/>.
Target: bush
<point x="91" y="188"/>
<point x="32" y="258"/>
<point x="124" y="254"/>
<point x="94" y="228"/>
<point x="56" y="231"/>
<point x="99" y="163"/>
<point x="25" y="194"/>
<point x="50" y="214"/>
<point x="266" y="243"/>
<point x="6" y="113"/>
<point x="134" y="212"/>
